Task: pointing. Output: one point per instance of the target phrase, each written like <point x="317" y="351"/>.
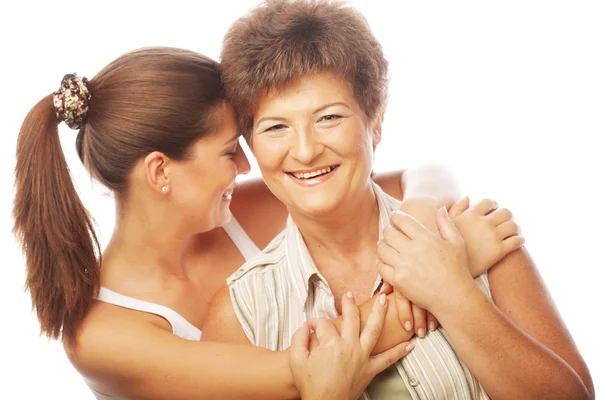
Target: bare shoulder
<point x="104" y="351"/>
<point x="222" y="324"/>
<point x="259" y="212"/>
<point x="389" y="182"/>
<point x="519" y="291"/>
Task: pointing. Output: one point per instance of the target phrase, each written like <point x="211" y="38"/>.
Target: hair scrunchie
<point x="71" y="101"/>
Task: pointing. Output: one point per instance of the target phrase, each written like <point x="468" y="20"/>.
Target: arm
<point x="133" y="358"/>
<point x="428" y="181"/>
<point x="222" y="323"/>
<point x="530" y="351"/>
<point x="521" y="348"/>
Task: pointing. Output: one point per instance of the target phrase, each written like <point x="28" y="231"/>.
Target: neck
<point x="353" y="228"/>
<point x="145" y="246"/>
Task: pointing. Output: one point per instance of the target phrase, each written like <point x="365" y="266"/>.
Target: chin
<point x="317" y="206"/>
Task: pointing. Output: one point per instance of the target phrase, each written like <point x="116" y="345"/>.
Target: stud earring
<point x="164" y="189"/>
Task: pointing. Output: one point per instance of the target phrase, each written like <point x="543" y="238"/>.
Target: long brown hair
<point x="152" y="99"/>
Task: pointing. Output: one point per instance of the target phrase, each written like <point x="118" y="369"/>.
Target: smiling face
<point x="203" y="184"/>
<point x="313" y="143"/>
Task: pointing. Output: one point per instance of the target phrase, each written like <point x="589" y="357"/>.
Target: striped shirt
<point x="278" y="290"/>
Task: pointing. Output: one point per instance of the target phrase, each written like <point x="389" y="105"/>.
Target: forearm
<point x="507" y="361"/>
<point x="221" y="371"/>
<point x="393" y="332"/>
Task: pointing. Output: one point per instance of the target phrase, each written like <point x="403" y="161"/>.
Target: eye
<point x="231" y="154"/>
<point x="275" y="128"/>
<point x="330" y="117"/>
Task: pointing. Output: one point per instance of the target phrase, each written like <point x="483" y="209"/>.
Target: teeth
<point x="313" y="174"/>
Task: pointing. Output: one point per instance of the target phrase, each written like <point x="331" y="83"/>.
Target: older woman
<point x="309" y="82"/>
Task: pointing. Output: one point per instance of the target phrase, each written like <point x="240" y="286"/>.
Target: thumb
<point x="448" y="231"/>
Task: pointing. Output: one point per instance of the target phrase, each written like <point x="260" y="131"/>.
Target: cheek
<point x="352" y="143"/>
<point x="270" y="153"/>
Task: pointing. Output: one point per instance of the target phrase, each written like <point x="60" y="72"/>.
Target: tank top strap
<point x="240" y="238"/>
<point x="181" y="327"/>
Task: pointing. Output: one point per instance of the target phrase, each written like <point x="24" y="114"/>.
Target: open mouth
<point x="313" y="174"/>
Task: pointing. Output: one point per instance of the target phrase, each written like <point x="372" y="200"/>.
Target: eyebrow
<point x="318" y="110"/>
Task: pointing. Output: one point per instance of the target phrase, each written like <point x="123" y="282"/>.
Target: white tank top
<point x="240" y="238"/>
<point x="181" y="327"/>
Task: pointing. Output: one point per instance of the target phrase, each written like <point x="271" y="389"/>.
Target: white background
<point x="505" y="93"/>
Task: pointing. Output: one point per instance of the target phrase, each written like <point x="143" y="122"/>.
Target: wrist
<point x="458" y="298"/>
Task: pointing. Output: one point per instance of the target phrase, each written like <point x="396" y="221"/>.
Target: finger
<point x="512" y="244"/>
<point x="432" y="322"/>
<point x="351" y="320"/>
<point x="448" y="231"/>
<point x="386" y="288"/>
<point x="372" y="330"/>
<point x="485" y="206"/>
<point x="324" y="329"/>
<point x="408" y="225"/>
<point x="507" y="229"/>
<point x="299" y="345"/>
<point x="420" y="316"/>
<point x="460" y="207"/>
<point x="404" y="310"/>
<point x="395" y="238"/>
<point x="389" y="255"/>
<point x="384" y="360"/>
<point x="499" y="216"/>
<point x="386" y="272"/>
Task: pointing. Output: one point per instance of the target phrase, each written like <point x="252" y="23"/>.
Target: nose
<point x="241" y="162"/>
<point x="306" y="147"/>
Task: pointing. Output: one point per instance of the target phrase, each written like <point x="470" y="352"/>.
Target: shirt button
<point x="413" y="382"/>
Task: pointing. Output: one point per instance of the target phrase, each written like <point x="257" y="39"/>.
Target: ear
<point x="156" y="166"/>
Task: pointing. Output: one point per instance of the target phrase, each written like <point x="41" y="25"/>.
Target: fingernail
<point x="410" y="347"/>
<point x="349" y="294"/>
<point x="421" y="333"/>
<point x="432" y="326"/>
<point x="382" y="299"/>
<point x="408" y="325"/>
<point x="444" y="210"/>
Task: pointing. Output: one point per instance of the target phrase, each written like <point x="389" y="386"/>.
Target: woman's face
<point x="313" y="143"/>
<point x="203" y="184"/>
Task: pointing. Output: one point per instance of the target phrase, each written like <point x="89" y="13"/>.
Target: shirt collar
<point x="300" y="264"/>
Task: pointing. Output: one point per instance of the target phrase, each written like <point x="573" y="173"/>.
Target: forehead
<point x="307" y="91"/>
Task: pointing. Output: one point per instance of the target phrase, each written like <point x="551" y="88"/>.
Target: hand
<point x="341" y="366"/>
<point x="410" y="315"/>
<point x="429" y="270"/>
<point x="424" y="210"/>
<point x="490" y="234"/>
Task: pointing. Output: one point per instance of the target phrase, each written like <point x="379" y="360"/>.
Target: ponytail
<point x="53" y="227"/>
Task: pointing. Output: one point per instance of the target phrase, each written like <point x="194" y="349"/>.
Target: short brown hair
<point x="152" y="99"/>
<point x="282" y="40"/>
